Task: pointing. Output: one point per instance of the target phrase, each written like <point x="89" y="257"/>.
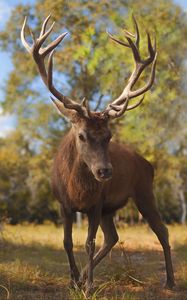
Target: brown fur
<point x="79" y="185"/>
<point x="73" y="180"/>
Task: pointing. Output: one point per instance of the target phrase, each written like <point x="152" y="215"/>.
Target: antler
<point x="39" y="54"/>
<point x="120" y="105"/>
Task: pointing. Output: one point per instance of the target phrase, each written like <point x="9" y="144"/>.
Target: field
<point x="33" y="264"/>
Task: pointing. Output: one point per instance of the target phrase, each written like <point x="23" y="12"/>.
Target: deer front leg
<point x="110" y="239"/>
<point x="68" y="245"/>
<point x="93" y="221"/>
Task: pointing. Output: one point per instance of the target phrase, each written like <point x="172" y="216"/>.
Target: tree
<point x="14" y="195"/>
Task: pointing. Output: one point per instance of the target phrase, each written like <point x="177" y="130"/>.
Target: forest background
<point x="90" y="65"/>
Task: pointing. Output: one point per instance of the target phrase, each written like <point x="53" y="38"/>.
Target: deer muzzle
<point x="103" y="173"/>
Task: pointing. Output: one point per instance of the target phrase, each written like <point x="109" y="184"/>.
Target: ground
<point x="33" y="264"/>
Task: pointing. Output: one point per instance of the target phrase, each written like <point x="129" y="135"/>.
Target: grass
<point x="33" y="264"/>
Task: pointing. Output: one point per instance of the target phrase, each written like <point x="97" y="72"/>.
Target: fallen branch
<point x="136" y="280"/>
<point x="7" y="291"/>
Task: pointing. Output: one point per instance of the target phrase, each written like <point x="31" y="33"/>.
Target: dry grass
<point x="33" y="265"/>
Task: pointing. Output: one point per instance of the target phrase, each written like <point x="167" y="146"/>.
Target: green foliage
<point x="14" y="169"/>
<point x="90" y="66"/>
<point x="25" y="188"/>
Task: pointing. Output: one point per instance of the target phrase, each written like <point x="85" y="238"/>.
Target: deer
<point x="93" y="174"/>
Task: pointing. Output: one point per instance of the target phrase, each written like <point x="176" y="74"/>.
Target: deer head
<point x="91" y="130"/>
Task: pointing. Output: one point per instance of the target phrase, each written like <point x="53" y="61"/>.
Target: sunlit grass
<point x="33" y="264"/>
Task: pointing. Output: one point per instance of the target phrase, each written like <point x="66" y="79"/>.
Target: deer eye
<point x="81" y="137"/>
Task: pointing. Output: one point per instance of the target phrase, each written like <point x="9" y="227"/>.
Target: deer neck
<point x="80" y="182"/>
<point x="80" y="172"/>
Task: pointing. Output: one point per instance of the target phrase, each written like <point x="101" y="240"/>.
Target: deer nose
<point x="105" y="173"/>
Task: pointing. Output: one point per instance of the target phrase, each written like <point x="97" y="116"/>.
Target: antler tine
<point x="25" y="44"/>
<point x="149" y="83"/>
<point x="58" y="104"/>
<point x="54" y="44"/>
<point x="137" y="35"/>
<point x="42" y="39"/>
<point x="117" y="111"/>
<point x="120" y="104"/>
<point x="120" y="109"/>
<point x="116" y="40"/>
<point x="44" y="25"/>
<point x="39" y="55"/>
<point x="128" y="33"/>
<point x="85" y="106"/>
<point x="50" y="70"/>
<point x="133" y="45"/>
<point x="136" y="104"/>
<point x="150" y="47"/>
<point x="134" y="49"/>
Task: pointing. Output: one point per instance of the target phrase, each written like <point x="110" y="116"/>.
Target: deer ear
<point x="68" y="113"/>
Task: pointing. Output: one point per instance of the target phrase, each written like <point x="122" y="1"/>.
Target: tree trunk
<point x="183" y="207"/>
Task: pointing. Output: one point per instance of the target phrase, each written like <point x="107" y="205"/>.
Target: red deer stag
<point x="92" y="174"/>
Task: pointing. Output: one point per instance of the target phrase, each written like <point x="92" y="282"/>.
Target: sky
<point x="7" y="121"/>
